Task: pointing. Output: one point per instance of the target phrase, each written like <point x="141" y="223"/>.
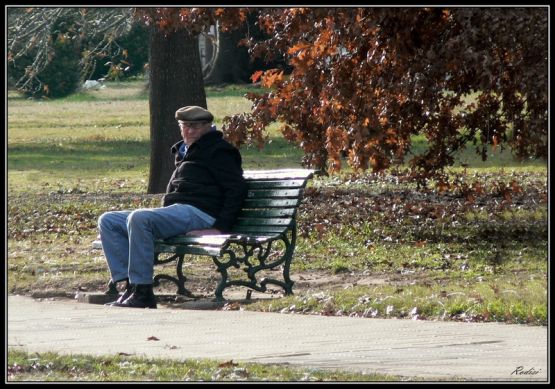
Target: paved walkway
<point x="432" y="350"/>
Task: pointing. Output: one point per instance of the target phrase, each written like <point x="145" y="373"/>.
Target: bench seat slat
<point x="194" y="250"/>
<point x="97" y="244"/>
<point x="211" y="240"/>
<point x="214" y="240"/>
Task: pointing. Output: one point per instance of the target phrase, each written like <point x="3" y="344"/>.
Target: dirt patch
<point x="317" y="279"/>
<point x="203" y="283"/>
<point x="305" y="282"/>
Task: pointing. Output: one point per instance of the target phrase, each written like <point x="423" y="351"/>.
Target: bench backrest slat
<point x="265" y="213"/>
<point x="272" y="200"/>
<point x="258" y="230"/>
<point x="274" y="193"/>
<point x="270" y="203"/>
<point x="264" y="222"/>
<point x="273" y="184"/>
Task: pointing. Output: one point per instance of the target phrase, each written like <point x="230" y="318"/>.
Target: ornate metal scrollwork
<point x="180" y="280"/>
<point x="250" y="250"/>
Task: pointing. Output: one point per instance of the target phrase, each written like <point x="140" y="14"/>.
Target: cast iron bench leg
<point x="179" y="281"/>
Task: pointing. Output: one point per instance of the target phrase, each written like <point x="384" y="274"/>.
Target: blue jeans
<point x="128" y="237"/>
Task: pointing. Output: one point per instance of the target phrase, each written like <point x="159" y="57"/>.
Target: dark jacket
<point x="210" y="178"/>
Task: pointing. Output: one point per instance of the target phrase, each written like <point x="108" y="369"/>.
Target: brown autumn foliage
<point x="193" y="20"/>
<point x="365" y="80"/>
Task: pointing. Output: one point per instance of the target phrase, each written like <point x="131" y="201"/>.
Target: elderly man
<point x="204" y="196"/>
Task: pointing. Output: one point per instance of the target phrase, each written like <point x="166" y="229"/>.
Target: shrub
<point x="129" y="58"/>
<point x="61" y="76"/>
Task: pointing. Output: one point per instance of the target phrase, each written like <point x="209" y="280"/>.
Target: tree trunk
<point x="175" y="81"/>
<point x="232" y="63"/>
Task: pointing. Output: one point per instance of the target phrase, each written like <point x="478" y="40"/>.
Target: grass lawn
<point x="379" y="247"/>
<point x="49" y="366"/>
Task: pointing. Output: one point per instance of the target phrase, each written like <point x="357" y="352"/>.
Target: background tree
<point x="175" y="72"/>
<point x="176" y="77"/>
<point x="38" y="36"/>
<point x="233" y="64"/>
<point x="366" y="80"/>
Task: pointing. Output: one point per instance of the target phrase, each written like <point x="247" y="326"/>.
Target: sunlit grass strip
<point x="494" y="299"/>
<point x="23" y="366"/>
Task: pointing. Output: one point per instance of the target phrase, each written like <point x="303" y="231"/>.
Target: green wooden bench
<point x="267" y="220"/>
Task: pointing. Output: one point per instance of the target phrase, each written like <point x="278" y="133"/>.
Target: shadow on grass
<point x="277" y="154"/>
<point x="519" y="231"/>
<point x="102" y="155"/>
<point x="107" y="154"/>
<point x="85" y="155"/>
<point x="470" y="158"/>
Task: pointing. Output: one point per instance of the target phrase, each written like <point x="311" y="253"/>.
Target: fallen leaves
<point x="231" y="306"/>
<point x="65" y="213"/>
<point x="399" y="212"/>
<point x="229" y="363"/>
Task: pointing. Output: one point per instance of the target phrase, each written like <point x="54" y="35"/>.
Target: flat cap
<point x="193" y="113"/>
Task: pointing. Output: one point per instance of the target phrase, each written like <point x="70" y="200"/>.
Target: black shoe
<point x="112" y="288"/>
<point x="126" y="293"/>
<point x="142" y="297"/>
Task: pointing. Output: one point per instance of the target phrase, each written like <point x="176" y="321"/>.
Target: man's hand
<point x="207" y="231"/>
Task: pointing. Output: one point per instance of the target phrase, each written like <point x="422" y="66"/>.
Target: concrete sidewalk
<point x="432" y="350"/>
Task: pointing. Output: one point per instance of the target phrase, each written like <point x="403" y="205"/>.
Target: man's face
<point x="192" y="131"/>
